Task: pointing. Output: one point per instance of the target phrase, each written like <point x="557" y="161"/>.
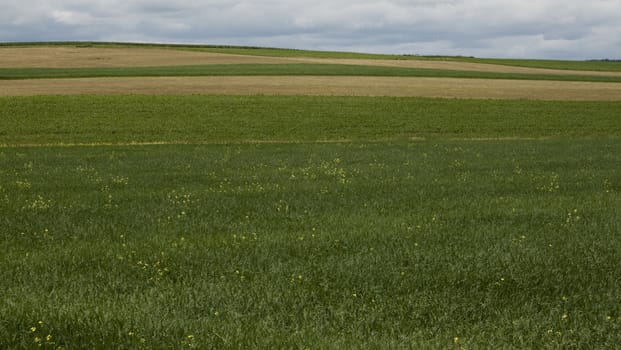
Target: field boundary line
<point x="164" y="143"/>
<point x="274" y="142"/>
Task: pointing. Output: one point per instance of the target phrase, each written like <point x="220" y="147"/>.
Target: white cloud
<point x="72" y="18"/>
<point x="498" y="28"/>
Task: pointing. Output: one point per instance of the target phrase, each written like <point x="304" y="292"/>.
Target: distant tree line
<point x="606" y="60"/>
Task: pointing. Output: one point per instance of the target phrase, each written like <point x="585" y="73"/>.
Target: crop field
<point x="247" y="218"/>
<point x="319" y="86"/>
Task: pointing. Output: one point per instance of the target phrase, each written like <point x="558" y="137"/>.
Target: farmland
<point x="243" y="219"/>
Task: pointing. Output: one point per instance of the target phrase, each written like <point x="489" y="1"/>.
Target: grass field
<point x="304" y="222"/>
<point x="238" y="119"/>
<point x="511" y="243"/>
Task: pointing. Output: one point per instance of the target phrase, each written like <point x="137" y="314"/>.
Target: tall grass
<point x="510" y="244"/>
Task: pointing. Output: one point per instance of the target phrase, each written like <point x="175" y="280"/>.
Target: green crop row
<point x="280" y="70"/>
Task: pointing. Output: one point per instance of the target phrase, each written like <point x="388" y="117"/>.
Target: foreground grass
<point x="280" y="70"/>
<point x="222" y="119"/>
<point x="376" y="243"/>
<point x="386" y="245"/>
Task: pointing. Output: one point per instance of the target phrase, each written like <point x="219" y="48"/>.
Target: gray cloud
<point x="488" y="28"/>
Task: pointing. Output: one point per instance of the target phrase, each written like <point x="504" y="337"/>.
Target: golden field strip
<point x="82" y="57"/>
<point x="70" y="57"/>
<point x="319" y="86"/>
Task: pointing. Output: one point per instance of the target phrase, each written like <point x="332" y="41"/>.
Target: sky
<point x="547" y="29"/>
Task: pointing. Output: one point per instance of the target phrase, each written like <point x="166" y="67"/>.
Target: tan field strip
<point x="76" y="57"/>
<point x="68" y="57"/>
<point x="319" y="86"/>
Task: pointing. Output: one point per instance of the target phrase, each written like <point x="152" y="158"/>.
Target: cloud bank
<point x="567" y="29"/>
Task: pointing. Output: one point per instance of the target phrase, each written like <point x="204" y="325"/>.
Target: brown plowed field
<point x="324" y="86"/>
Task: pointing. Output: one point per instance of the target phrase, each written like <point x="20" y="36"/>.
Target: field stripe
<point x="259" y="142"/>
<point x="319" y="86"/>
<point x="453" y="65"/>
<point x="293" y="69"/>
<point x="165" y="143"/>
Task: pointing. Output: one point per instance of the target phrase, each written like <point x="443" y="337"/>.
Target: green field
<point x="309" y="222"/>
<point x="235" y="119"/>
<point x="281" y="70"/>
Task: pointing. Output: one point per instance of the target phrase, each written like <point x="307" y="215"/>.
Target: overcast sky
<point x="569" y="29"/>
